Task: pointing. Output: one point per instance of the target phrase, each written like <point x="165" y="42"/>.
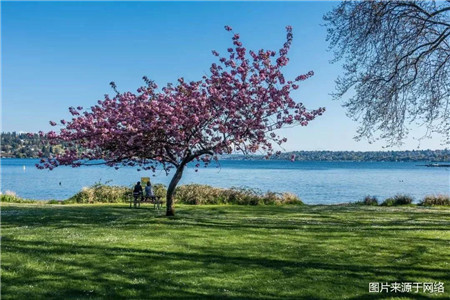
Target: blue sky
<point x="56" y="55"/>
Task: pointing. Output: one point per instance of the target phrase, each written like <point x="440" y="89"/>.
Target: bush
<point x="289" y="198"/>
<point x="160" y="190"/>
<point x="397" y="200"/>
<point x="432" y="200"/>
<point x="195" y="194"/>
<point x="388" y="202"/>
<point x="11" y="197"/>
<point x="54" y="202"/>
<point x="242" y="196"/>
<point x="369" y="200"/>
<point x="10" y="193"/>
<point x="272" y="198"/>
<point x="101" y="193"/>
<point x="198" y="194"/>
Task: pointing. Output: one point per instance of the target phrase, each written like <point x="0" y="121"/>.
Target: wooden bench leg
<point x="158" y="203"/>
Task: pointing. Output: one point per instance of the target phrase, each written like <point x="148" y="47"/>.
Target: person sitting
<point x="137" y="192"/>
<point x="149" y="195"/>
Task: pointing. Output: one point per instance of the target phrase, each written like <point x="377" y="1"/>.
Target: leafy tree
<point x="397" y="62"/>
<point x="236" y="108"/>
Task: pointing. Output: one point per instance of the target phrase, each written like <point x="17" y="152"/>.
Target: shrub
<point x="160" y="190"/>
<point x="431" y="200"/>
<point x="198" y="194"/>
<point x="369" y="200"/>
<point x="101" y="193"/>
<point x="397" y="200"/>
<point x="289" y="198"/>
<point x="242" y="196"/>
<point x="54" y="202"/>
<point x="388" y="202"/>
<point x="10" y="193"/>
<point x="272" y="198"/>
<point x="403" y="199"/>
<point x="11" y="197"/>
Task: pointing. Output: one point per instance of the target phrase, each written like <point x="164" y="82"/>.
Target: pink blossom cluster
<point x="237" y="107"/>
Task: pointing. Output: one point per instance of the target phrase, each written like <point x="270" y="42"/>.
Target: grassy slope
<point x="310" y="252"/>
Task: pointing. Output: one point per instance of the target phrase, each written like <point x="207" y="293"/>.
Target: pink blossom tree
<point x="238" y="107"/>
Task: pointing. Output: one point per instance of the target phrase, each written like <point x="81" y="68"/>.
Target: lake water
<point x="314" y="182"/>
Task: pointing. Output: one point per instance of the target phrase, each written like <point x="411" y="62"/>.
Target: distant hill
<point x="413" y="155"/>
<point x="22" y="145"/>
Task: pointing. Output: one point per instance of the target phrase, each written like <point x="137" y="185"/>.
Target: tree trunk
<point x="176" y="178"/>
<point x="171" y="190"/>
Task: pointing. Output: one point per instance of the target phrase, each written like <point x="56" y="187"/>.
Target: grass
<point x="108" y="251"/>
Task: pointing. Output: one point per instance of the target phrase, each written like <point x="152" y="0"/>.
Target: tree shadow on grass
<point x="114" y="270"/>
<point x="315" y="225"/>
<point x="262" y="218"/>
<point x="82" y="270"/>
<point x="73" y="216"/>
<point x="376" y="296"/>
<point x="119" y="272"/>
<point x="327" y="214"/>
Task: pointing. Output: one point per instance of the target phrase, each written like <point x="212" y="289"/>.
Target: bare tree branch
<point x="396" y="58"/>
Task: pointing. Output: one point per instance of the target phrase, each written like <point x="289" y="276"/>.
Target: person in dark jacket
<point x="137" y="191"/>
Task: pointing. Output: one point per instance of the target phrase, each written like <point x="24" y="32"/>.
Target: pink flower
<point x="235" y="106"/>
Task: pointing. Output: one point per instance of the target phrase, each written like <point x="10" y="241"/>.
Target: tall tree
<point x="397" y="65"/>
<point x="236" y="108"/>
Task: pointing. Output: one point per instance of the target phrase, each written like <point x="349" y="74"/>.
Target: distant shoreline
<point x="22" y="145"/>
<point x="259" y="158"/>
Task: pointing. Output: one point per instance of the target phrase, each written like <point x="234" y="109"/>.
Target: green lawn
<point x="235" y="252"/>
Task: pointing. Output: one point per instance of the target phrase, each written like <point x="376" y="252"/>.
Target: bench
<point x="156" y="200"/>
